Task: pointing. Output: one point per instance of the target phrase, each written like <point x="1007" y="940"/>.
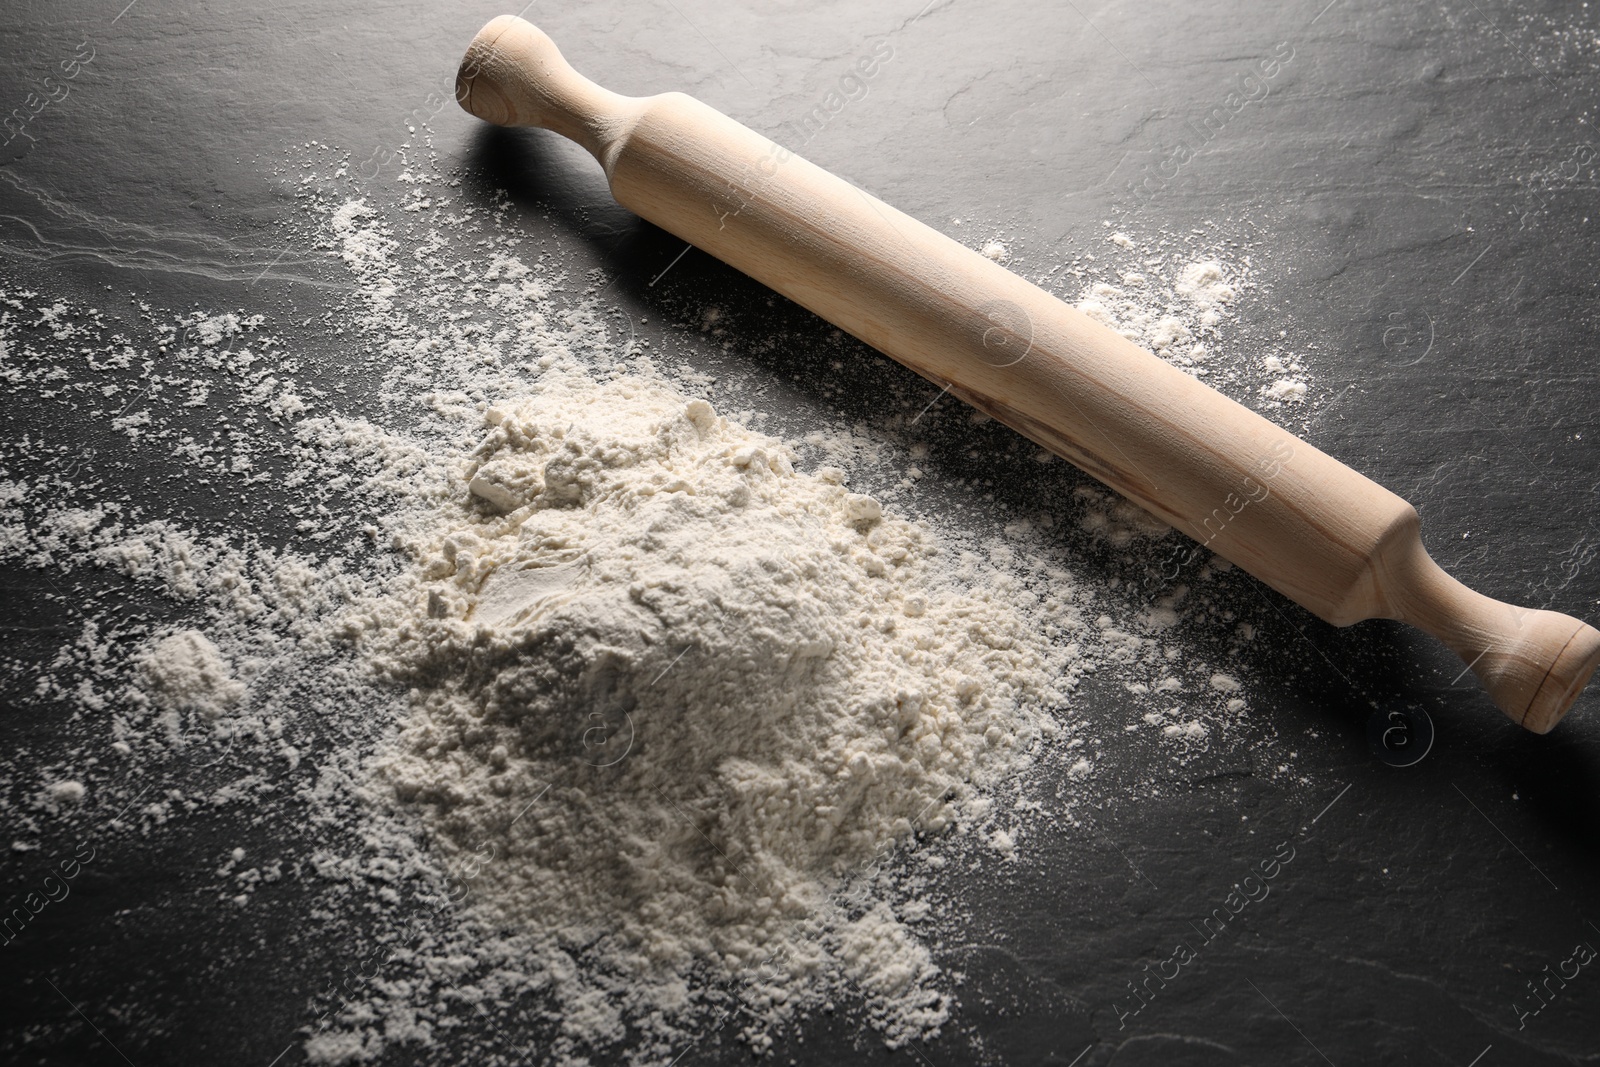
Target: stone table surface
<point x="1416" y="191"/>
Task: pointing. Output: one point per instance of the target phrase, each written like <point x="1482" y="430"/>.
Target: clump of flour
<point x="185" y="672"/>
<point x="66" y="791"/>
<point x="1206" y="286"/>
<point x="1286" y="390"/>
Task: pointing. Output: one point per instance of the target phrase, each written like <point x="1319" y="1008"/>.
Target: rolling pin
<point x="1328" y="538"/>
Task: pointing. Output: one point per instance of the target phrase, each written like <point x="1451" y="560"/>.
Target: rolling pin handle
<point x="1533" y="663"/>
<point x="514" y="75"/>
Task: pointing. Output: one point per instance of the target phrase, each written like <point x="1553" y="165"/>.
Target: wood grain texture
<point x="1307" y="525"/>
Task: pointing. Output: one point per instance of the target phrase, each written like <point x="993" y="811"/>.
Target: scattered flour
<point x="1174" y="323"/>
<point x="625" y="721"/>
<point x="1176" y="295"/>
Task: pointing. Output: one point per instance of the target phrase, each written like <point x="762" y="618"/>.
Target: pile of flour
<point x="678" y="690"/>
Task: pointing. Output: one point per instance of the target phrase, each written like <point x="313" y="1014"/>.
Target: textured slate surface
<point x="1417" y="186"/>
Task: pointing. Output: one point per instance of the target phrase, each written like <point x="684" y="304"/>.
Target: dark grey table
<point x="1419" y="188"/>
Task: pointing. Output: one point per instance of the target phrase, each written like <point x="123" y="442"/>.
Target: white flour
<point x="616" y="710"/>
<point x="679" y="690"/>
<point x="185" y="672"/>
<point x="1174" y="295"/>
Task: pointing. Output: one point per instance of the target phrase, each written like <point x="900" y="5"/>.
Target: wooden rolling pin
<point x="1307" y="525"/>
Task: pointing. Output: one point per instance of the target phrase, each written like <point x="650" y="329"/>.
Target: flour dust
<point x="586" y="703"/>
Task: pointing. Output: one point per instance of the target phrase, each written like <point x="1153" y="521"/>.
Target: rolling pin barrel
<point x="1332" y="540"/>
